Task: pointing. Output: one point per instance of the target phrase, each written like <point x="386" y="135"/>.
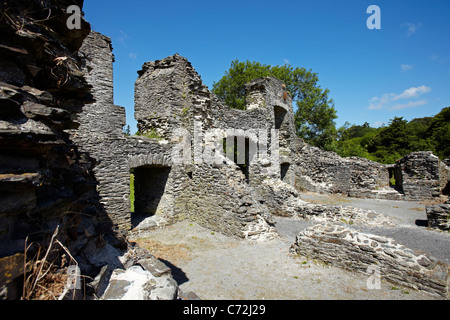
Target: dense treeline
<point x="400" y="137"/>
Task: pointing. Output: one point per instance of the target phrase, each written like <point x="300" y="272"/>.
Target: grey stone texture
<point x="55" y="110"/>
<point x="418" y="176"/>
<point x="438" y="216"/>
<point x="171" y="100"/>
<point x="361" y="252"/>
<point x="175" y="109"/>
<point x="421" y="175"/>
<point x="64" y="159"/>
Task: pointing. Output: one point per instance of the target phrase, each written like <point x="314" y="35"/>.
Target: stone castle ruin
<point x="225" y="196"/>
<point x="65" y="162"/>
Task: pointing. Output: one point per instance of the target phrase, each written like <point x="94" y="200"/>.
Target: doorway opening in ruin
<point x="284" y="169"/>
<point x="147" y="188"/>
<point x="396" y="179"/>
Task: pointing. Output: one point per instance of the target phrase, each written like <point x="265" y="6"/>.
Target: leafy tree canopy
<point x="315" y="112"/>
<point x="400" y="137"/>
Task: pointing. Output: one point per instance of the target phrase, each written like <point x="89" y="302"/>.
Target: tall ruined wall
<point x="170" y="96"/>
<point x="100" y="132"/>
<point x="168" y="93"/>
<point x="45" y="179"/>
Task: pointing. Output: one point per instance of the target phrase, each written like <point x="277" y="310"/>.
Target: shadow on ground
<point x="421" y="223"/>
<point x="178" y="275"/>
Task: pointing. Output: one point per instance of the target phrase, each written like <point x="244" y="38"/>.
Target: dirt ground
<point x="217" y="267"/>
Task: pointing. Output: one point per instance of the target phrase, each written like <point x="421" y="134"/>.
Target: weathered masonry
<point x="65" y="163"/>
<point x="236" y="198"/>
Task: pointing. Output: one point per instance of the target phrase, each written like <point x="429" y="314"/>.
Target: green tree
<point x="439" y="133"/>
<point x="400" y="137"/>
<point x="315" y="112"/>
<point x="391" y="142"/>
<point x="127" y="131"/>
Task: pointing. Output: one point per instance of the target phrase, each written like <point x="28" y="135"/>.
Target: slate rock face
<point x="45" y="180"/>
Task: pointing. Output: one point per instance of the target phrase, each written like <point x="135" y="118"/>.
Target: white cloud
<point x="435" y="58"/>
<point x="411" y="28"/>
<point x="123" y="37"/>
<point x="286" y="61"/>
<point x="385" y="101"/>
<point x="406" y="67"/>
<point x="378" y="103"/>
<point x="413" y="92"/>
<point x="133" y="55"/>
<point x="410" y="104"/>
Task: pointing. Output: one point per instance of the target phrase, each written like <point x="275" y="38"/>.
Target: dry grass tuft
<point x="169" y="252"/>
<point x="417" y="209"/>
<point x="46" y="272"/>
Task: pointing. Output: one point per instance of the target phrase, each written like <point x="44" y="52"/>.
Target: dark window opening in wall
<point x="396" y="179"/>
<point x="280" y="114"/>
<point x="284" y="170"/>
<point x="146" y="190"/>
<point x="241" y="158"/>
<point x="446" y="190"/>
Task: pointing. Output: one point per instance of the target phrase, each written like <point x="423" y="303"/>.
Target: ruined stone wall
<point x="323" y="171"/>
<point x="168" y="93"/>
<point x="356" y="251"/>
<point x="438" y="216"/>
<point x="100" y="134"/>
<point x="171" y="96"/>
<point x="420" y="175"/>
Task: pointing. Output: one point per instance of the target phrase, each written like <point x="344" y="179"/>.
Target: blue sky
<point x="402" y="69"/>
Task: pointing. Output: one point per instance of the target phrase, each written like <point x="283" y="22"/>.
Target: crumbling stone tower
<point x="170" y="95"/>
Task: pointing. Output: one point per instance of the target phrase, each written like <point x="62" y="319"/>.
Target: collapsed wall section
<point x="362" y="252"/>
<point x="324" y="171"/>
<point x="417" y="176"/>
